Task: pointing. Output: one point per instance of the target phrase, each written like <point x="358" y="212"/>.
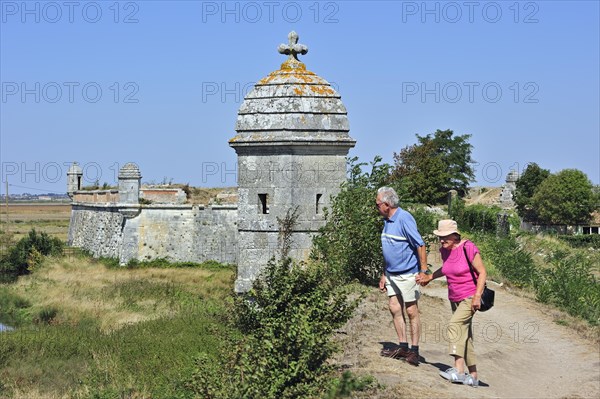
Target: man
<point x="405" y="256"/>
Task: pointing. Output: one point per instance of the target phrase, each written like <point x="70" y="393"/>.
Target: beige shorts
<point x="404" y="286"/>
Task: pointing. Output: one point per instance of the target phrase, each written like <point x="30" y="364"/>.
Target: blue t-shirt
<point x="400" y="240"/>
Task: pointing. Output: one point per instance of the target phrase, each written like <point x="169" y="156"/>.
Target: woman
<point x="464" y="296"/>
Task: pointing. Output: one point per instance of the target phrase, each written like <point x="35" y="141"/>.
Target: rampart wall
<point x="177" y="232"/>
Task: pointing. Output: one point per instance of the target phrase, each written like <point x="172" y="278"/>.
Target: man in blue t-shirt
<point x="405" y="256"/>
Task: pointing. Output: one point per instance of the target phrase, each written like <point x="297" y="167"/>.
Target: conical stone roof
<point x="292" y="106"/>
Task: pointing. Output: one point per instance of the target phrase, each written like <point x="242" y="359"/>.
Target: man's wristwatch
<point x="427" y="272"/>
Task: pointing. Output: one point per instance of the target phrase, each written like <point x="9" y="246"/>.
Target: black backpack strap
<point x="470" y="265"/>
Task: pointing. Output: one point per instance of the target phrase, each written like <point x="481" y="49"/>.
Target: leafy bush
<point x="287" y="320"/>
<point x="350" y="240"/>
<point x="456" y="208"/>
<point x="582" y="241"/>
<point x="426" y="221"/>
<point x="27" y="254"/>
<point x="567" y="283"/>
<point x="507" y="256"/>
<point x="570" y="285"/>
<point x="479" y="218"/>
<point x="12" y="308"/>
<point x="46" y="315"/>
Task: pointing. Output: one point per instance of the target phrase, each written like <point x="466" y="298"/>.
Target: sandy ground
<point x="522" y="352"/>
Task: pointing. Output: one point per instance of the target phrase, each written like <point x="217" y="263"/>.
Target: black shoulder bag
<point x="487" y="296"/>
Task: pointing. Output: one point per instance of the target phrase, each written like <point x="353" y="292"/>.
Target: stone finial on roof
<point x="75" y="169"/>
<point x="129" y="171"/>
<point x="292" y="48"/>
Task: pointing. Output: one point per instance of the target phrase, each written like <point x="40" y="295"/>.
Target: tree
<point x="565" y="198"/>
<point x="527" y="184"/>
<point x="435" y="165"/>
<point x="422" y="173"/>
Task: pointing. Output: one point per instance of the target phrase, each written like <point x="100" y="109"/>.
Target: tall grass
<point x="93" y="332"/>
<point x="563" y="278"/>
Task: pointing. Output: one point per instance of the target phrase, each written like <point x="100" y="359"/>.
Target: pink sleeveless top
<point x="456" y="270"/>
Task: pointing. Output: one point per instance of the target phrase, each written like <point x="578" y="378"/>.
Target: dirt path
<point x="522" y="352"/>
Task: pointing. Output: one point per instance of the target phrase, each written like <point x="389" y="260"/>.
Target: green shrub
<point x="46" y="315"/>
<point x="287" y="320"/>
<point x="13" y="308"/>
<point x="567" y="282"/>
<point x="479" y="218"/>
<point x="456" y="208"/>
<point x="508" y="258"/>
<point x="350" y="241"/>
<point x="570" y="285"/>
<point x="426" y="221"/>
<point x="27" y="254"/>
<point x="582" y="241"/>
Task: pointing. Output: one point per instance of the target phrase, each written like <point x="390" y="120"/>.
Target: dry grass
<point x="52" y="219"/>
<point x="205" y="196"/>
<point x="484" y="195"/>
<point x="82" y="288"/>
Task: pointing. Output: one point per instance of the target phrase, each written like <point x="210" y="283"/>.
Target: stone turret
<point x="292" y="141"/>
<point x="129" y="184"/>
<point x="508" y="189"/>
<point x="74" y="176"/>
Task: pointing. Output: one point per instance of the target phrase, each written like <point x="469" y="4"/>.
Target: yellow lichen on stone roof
<point x="320" y="89"/>
<point x="292" y="64"/>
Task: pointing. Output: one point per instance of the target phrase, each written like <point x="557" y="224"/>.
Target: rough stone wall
<point x="175" y="232"/>
<point x="188" y="233"/>
<point x="97" y="229"/>
<point x="256" y="248"/>
<point x="269" y="186"/>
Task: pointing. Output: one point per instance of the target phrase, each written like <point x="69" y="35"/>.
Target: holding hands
<point x="424" y="279"/>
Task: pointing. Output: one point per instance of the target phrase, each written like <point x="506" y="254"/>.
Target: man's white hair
<point x="389" y="195"/>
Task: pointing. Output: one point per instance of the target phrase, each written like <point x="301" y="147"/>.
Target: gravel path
<point x="522" y="352"/>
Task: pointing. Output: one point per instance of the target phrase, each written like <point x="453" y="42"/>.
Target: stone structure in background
<point x="508" y="189"/>
<point x="149" y="223"/>
<point x="292" y="141"/>
<point x="74" y="175"/>
<point x="502" y="224"/>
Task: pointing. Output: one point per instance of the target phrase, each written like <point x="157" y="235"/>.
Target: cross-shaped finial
<point x="293" y="48"/>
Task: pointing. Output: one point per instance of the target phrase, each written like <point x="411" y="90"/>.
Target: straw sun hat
<point x="446" y="227"/>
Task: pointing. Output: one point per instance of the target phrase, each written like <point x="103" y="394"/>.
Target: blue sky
<point x="159" y="83"/>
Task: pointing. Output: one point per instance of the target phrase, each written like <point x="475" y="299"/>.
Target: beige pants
<point x="460" y="333"/>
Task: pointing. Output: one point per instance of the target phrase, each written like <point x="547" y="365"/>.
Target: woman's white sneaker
<point x="470" y="381"/>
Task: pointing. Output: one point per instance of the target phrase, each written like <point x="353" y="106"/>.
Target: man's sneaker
<point x="395" y="353"/>
<point x="454" y="376"/>
<point x="470" y="381"/>
<point x="412" y="358"/>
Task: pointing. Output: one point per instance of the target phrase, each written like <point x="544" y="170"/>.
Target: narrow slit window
<point x="318" y="203"/>
<point x="263" y="204"/>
